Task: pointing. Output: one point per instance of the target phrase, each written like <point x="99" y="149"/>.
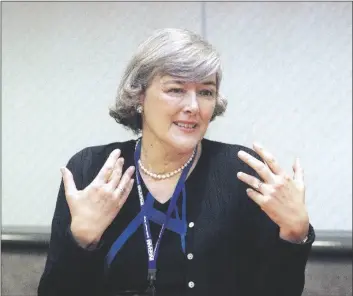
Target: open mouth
<point x="189" y="126"/>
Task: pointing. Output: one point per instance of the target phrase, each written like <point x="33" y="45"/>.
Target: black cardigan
<point x="233" y="247"/>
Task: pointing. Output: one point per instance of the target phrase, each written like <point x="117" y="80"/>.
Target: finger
<point x="259" y="167"/>
<point x="125" y="195"/>
<point x="268" y="158"/>
<point x="298" y="171"/>
<point x="69" y="183"/>
<point x="251" y="181"/>
<point x="108" y="167"/>
<point x="257" y="197"/>
<point x="116" y="174"/>
<point x="122" y="187"/>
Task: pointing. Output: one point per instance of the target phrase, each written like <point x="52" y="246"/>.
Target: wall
<point x="287" y="76"/>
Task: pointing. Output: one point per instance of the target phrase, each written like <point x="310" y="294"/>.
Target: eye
<point x="176" y="90"/>
<point x="207" y="93"/>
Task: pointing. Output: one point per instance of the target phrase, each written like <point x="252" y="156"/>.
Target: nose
<point x="192" y="103"/>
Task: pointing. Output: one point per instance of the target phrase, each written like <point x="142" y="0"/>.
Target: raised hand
<point x="94" y="208"/>
<point x="279" y="195"/>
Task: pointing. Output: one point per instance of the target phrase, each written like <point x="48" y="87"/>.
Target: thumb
<point x="68" y="180"/>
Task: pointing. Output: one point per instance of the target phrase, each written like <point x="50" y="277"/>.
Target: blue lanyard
<point x="152" y="253"/>
<point x="148" y="212"/>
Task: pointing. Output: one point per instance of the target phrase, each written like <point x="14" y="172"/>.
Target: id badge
<point x="151" y="291"/>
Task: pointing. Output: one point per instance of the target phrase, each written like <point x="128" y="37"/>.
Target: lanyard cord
<point x="153" y="252"/>
<point x="148" y="212"/>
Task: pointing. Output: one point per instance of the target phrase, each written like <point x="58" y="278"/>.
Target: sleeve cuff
<point x="76" y="249"/>
<point x="308" y="242"/>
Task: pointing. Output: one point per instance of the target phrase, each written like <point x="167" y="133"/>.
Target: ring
<point x="121" y="190"/>
<point x="258" y="187"/>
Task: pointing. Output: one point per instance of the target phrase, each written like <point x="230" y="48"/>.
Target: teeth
<point x="185" y="125"/>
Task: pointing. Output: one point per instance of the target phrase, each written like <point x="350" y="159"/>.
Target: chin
<point x="184" y="144"/>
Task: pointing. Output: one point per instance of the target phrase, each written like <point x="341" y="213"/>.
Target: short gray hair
<point x="175" y="52"/>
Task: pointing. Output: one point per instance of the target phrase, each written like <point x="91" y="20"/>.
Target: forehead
<point x="168" y="79"/>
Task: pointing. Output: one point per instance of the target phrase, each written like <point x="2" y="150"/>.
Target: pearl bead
<point x="167" y="175"/>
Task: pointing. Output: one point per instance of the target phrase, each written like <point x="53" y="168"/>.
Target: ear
<point x="142" y="98"/>
<point x="139" y="107"/>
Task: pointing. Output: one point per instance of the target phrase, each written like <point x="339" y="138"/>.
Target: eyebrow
<point x="183" y="82"/>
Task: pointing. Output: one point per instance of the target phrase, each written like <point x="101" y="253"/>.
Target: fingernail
<point x="239" y="174"/>
<point x="241" y="153"/>
<point x="249" y="190"/>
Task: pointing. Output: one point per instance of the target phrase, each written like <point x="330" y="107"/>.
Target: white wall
<point x="287" y="76"/>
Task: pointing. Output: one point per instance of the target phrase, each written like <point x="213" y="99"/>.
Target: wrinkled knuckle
<point x="262" y="167"/>
<point x="104" y="190"/>
<point x="279" y="185"/>
<point x="268" y="198"/>
<point x="271" y="159"/>
<point x="282" y="183"/>
<point x="95" y="187"/>
<point x="272" y="190"/>
<point x="287" y="178"/>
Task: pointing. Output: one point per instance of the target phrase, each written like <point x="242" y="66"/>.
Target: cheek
<point x="162" y="104"/>
<point x="169" y="106"/>
<point x="206" y="110"/>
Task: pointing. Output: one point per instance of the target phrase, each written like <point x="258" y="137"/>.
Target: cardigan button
<point x="191" y="224"/>
<point x="190" y="256"/>
<point x="191" y="285"/>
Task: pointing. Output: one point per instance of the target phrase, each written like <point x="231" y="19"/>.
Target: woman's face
<point x="178" y="113"/>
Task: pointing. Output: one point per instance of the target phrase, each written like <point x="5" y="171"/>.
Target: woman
<point x="172" y="213"/>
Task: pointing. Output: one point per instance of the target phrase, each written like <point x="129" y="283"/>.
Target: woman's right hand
<point x="94" y="208"/>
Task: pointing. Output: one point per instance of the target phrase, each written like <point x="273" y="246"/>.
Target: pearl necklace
<point x="167" y="175"/>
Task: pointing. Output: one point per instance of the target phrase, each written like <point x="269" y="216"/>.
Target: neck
<point x="159" y="157"/>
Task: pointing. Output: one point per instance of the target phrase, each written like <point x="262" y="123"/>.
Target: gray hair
<point x="175" y="52"/>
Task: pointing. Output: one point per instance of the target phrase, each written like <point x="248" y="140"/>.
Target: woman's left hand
<point x="279" y="195"/>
